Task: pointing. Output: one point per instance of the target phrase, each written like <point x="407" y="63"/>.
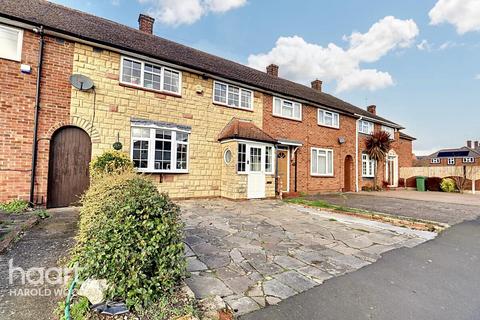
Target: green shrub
<point x="14" y="206"/>
<point x="109" y="162"/>
<point x="448" y="185"/>
<point x="130" y="235"/>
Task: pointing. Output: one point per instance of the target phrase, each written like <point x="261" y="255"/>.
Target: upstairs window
<point x="10" y="43"/>
<point x="287" y="109"/>
<point x="159" y="150"/>
<point x="365" y="127"/>
<point x="451" y="161"/>
<point x="150" y="76"/>
<point x="390" y="131"/>
<point x="328" y="118"/>
<point x="232" y="96"/>
<point x="435" y="160"/>
<point x="322" y="162"/>
<point x="469" y="160"/>
<point x="368" y="166"/>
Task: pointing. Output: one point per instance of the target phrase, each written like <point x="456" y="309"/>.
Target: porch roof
<point x="244" y="129"/>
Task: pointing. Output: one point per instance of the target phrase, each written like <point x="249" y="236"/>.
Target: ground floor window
<point x="368" y="166"/>
<point x="254" y="157"/>
<point x="322" y="162"/>
<point x="159" y="150"/>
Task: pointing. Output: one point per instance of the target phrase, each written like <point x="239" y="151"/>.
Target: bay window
<point x="368" y="166"/>
<point x="232" y="96"/>
<point x="328" y="118"/>
<point x="321" y="162"/>
<point x="159" y="150"/>
<point x="287" y="109"/>
<point x="150" y="76"/>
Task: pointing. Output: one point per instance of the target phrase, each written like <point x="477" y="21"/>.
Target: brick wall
<point x="17" y="103"/>
<point x="312" y="135"/>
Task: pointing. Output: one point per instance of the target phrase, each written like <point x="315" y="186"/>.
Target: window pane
<point x="287" y="109"/>
<point x="314" y="161"/>
<point x="233" y="96"/>
<point x="322" y="162"/>
<point x="330" y="162"/>
<point x="140" y="154"/>
<point x="220" y="94"/>
<point x="163" y="134"/>
<point x="268" y="159"/>
<point x="328" y="119"/>
<point x="141" y="132"/>
<point x="151" y="77"/>
<point x="277" y="108"/>
<point x="8" y="43"/>
<point x="242" y="157"/>
<point x="255" y="159"/>
<point x="246" y="99"/>
<point x="182" y="136"/>
<point x="182" y="156"/>
<point x="131" y="71"/>
<point x="297" y="111"/>
<point x="163" y="154"/>
<point x="336" y="120"/>
<point x="171" y="81"/>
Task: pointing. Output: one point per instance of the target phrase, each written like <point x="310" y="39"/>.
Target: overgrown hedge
<point x="111" y="161"/>
<point x="130" y="235"/>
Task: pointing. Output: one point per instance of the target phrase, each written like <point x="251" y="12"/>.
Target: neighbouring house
<point x="199" y="125"/>
<point x="468" y="155"/>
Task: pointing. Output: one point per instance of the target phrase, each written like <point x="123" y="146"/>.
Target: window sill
<point x="322" y="175"/>
<point x="231" y="107"/>
<point x="287" y="118"/>
<point x="368" y="177"/>
<point x="167" y="93"/>
<point x="327" y="126"/>
<point x="161" y="171"/>
<point x="365" y="134"/>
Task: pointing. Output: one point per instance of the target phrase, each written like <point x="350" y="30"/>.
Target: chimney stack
<point x="272" y="70"/>
<point x="145" y="23"/>
<point x="317" y="85"/>
<point x="469" y="143"/>
<point x="372" y="109"/>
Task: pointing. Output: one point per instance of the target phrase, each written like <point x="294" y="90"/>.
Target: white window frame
<point x="151" y="149"/>
<point x="240" y="91"/>
<point x="435" y="160"/>
<point x="263" y="146"/>
<point x="390" y="130"/>
<point x="142" y="73"/>
<point x="327" y="164"/>
<point x="469" y="160"/>
<point x="369" y="165"/>
<point x="282" y="102"/>
<point x="365" y="127"/>
<point x="18" y="55"/>
<point x="321" y="114"/>
<point x="451" y="161"/>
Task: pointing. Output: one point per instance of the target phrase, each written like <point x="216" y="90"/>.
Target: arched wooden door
<point x="347" y="169"/>
<point x="68" y="176"/>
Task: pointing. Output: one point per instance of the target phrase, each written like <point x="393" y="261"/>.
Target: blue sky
<point x="418" y="65"/>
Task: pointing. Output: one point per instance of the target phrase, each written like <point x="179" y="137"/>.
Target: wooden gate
<point x="68" y="176"/>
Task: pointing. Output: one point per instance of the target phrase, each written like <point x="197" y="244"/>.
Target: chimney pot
<point x="145" y="23"/>
<point x="317" y="85"/>
<point x="469" y="143"/>
<point x="272" y="70"/>
<point x="372" y="109"/>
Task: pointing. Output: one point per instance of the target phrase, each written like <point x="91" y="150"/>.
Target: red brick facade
<point x="312" y="135"/>
<point x="17" y="105"/>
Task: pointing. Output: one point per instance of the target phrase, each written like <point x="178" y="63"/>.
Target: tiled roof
<point x="106" y="32"/>
<point x="242" y="129"/>
<point x="406" y="136"/>
<point x="462" y="152"/>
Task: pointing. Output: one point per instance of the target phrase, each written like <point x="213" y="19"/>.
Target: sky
<point x="417" y="61"/>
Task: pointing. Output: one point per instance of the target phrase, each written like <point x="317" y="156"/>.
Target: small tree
<point x="377" y="147"/>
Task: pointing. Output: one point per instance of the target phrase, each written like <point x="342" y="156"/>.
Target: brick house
<point x="199" y="125"/>
<point x="468" y="155"/>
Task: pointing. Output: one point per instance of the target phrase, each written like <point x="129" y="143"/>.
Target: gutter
<point x="37" y="110"/>
<point x="356" y="154"/>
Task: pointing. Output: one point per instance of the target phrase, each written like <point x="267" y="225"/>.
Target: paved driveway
<point x="256" y="253"/>
<point x="434" y="206"/>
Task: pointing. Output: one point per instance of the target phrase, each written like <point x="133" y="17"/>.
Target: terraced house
<point x="72" y="84"/>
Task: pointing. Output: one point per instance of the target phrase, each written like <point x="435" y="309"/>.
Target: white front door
<point x="256" y="174"/>
<point x="391" y="172"/>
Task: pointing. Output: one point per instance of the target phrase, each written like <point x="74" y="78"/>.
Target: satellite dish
<point x="81" y="82"/>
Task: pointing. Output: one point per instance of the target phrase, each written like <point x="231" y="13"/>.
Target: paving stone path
<point x="256" y="253"/>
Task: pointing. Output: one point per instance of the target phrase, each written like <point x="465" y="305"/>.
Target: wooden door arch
<point x="347" y="172"/>
<point x="68" y="174"/>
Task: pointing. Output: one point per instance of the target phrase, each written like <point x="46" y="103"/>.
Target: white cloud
<point x="303" y="62"/>
<point x="463" y="14"/>
<point x="424" y="45"/>
<point x="178" y="12"/>
<point x="477" y="76"/>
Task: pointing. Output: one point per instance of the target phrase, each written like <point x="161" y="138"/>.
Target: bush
<point x="14" y="206"/>
<point x="448" y="185"/>
<point x="109" y="162"/>
<point x="130" y="235"/>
